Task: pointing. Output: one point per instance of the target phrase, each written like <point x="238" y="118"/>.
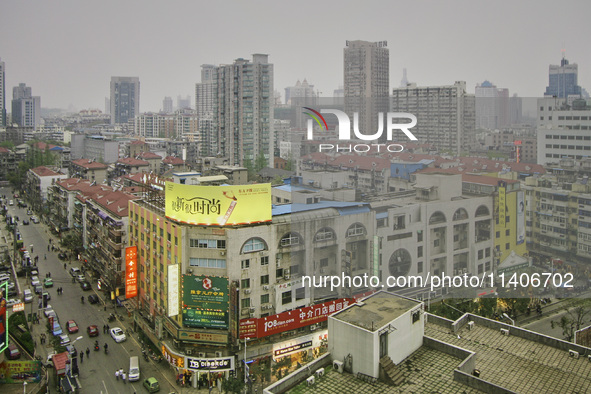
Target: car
<point x="34" y="279"/>
<point x="29" y="212"/>
<point x="93" y="299"/>
<point x="12" y="301"/>
<point x="152" y="385"/>
<point x="62" y="256"/>
<point x="25" y="222"/>
<point x="34" y="219"/>
<point x="28" y="296"/>
<point x="71" y="326"/>
<point x="12" y="352"/>
<point x="11" y="202"/>
<point x="72" y="350"/>
<point x="80" y="278"/>
<point x="46" y="295"/>
<point x="117" y="334"/>
<point x="49" y="310"/>
<point x="92" y="331"/>
<point x="49" y="361"/>
<point x="48" y="282"/>
<point x="38" y="289"/>
<point x="64" y="339"/>
<point x="34" y="272"/>
<point x="85" y="286"/>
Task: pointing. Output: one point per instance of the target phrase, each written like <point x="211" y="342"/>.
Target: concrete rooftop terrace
<point x="426" y="371"/>
<point x="376" y="311"/>
<point x="518" y="364"/>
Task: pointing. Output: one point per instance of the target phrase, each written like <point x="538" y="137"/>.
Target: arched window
<point x="290" y="239"/>
<point x="325" y="234"/>
<point x="254" y="245"/>
<point x="437" y="217"/>
<point x="482" y="211"/>
<point x="356" y="229"/>
<point x="460" y="214"/>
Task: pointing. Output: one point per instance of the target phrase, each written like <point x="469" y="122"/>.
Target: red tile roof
<point x="137" y="142"/>
<point x="89" y="164"/>
<point x="44" y="171"/>
<point x="174" y="161"/>
<point x="130" y="161"/>
<point x="149" y="155"/>
<point x="114" y="202"/>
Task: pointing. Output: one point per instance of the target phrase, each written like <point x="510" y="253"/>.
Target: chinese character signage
<point x="20" y="371"/>
<point x="3" y="320"/>
<point x="502" y="202"/>
<point x="172" y="358"/>
<point x="211" y="364"/>
<point x="218" y="205"/>
<point x="290" y="320"/>
<point x="131" y="272"/>
<point x="205" y="301"/>
<point x="173" y="290"/>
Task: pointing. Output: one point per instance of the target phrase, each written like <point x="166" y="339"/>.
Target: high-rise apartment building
<point x="183" y="102"/>
<point x="125" y="99"/>
<point x="204" y="91"/>
<point x="367" y="82"/>
<point x="26" y="109"/>
<point x="2" y="94"/>
<point x="563" y="80"/>
<point x="243" y="111"/>
<point x="446" y="115"/>
<point x="167" y="105"/>
<point x="298" y="96"/>
<point x="492" y="106"/>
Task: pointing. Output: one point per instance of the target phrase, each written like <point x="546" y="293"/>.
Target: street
<point x="97" y="372"/>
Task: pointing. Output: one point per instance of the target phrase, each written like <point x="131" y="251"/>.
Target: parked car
<point x="80" y="278"/>
<point x="85" y="286"/>
<point x="64" y="339"/>
<point x="25" y="222"/>
<point x="49" y="310"/>
<point x="93" y="299"/>
<point x="34" y="219"/>
<point x="12" y="301"/>
<point x="62" y="255"/>
<point x="28" y="296"/>
<point x="12" y="352"/>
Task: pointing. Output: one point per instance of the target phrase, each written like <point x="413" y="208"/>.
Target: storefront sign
<point x="295" y="345"/>
<point x="291" y="320"/>
<point x="291" y="349"/>
<point x="211" y="364"/>
<point x="173" y="359"/>
<point x="130" y="271"/>
<point x="186" y="335"/>
<point x="205" y="301"/>
<point x="248" y="328"/>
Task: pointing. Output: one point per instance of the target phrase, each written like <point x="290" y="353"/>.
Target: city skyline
<point x="68" y="57"/>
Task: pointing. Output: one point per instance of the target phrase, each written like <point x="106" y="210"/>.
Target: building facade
<point x="492" y="106"/>
<point x="3" y="119"/>
<point x="26" y="108"/>
<point x="563" y="80"/>
<point x="125" y="99"/>
<point x="446" y="115"/>
<point x="367" y="82"/>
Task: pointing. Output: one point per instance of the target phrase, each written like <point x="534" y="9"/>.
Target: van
<point x="75" y="271"/>
<point x="134" y="369"/>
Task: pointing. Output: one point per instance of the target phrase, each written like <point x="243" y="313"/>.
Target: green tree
<point x="573" y="320"/>
<point x="232" y="385"/>
<point x="250" y="168"/>
<point x="260" y="162"/>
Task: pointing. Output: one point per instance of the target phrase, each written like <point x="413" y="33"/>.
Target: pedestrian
<point x="108" y="328"/>
<point x="45" y="256"/>
<point x="104" y="328"/>
<point x="87" y="352"/>
<point x="48" y="248"/>
<point x="123" y="376"/>
<point x="81" y="357"/>
<point x="65" y="266"/>
<point x="117" y="374"/>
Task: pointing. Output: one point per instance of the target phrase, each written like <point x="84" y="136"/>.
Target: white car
<point x="64" y="339"/>
<point x="80" y="278"/>
<point x="117" y="334"/>
<point x="48" y="310"/>
<point x="28" y="295"/>
<point x="12" y="301"/>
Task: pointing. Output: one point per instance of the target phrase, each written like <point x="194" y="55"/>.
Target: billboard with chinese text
<point x="218" y="205"/>
<point x="130" y="271"/>
<point x="205" y="301"/>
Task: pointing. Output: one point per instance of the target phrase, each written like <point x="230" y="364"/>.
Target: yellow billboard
<point x="218" y="205"/>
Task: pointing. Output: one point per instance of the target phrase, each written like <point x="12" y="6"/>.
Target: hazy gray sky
<point x="68" y="50"/>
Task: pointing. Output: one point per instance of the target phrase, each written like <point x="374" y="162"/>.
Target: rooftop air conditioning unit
<point x="337" y="366"/>
<point x="223" y="252"/>
<point x="252" y="309"/>
<point x="470" y="325"/>
<point x="266" y="287"/>
<point x="246" y="291"/>
<point x="251" y="315"/>
<point x="504" y="331"/>
<point x="201" y="355"/>
<point x="573" y="354"/>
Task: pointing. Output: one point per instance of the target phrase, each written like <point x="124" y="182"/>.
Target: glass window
<point x="245" y="283"/>
<point x="254" y="245"/>
<point x="286" y="297"/>
<point x="245" y="264"/>
<point x="264" y="279"/>
<point x="245" y="302"/>
<point x="265" y="299"/>
<point x="265" y="260"/>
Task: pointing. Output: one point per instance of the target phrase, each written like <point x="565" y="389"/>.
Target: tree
<point x="573" y="320"/>
<point x="260" y="162"/>
<point x="250" y="168"/>
<point x="232" y="385"/>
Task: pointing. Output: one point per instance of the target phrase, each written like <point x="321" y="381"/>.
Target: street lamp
<point x="245" y="366"/>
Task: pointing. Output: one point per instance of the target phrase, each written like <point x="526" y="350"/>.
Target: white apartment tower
<point x="445" y="114"/>
<point x="243" y="111"/>
<point x="26" y="109"/>
<point x="367" y="82"/>
<point x="204" y="93"/>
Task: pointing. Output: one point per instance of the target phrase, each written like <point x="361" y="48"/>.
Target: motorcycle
<point x="96" y="346"/>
